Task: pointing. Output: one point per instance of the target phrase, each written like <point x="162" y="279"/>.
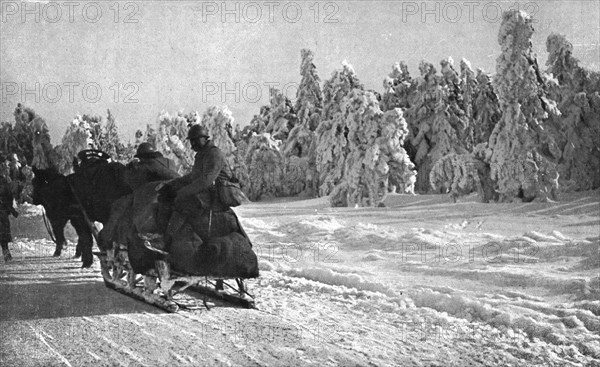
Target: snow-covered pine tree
<point x="300" y="147"/>
<point x="486" y="108"/>
<point x="169" y="138"/>
<point x="300" y="161"/>
<point x="399" y="89"/>
<point x="463" y="173"/>
<point x="456" y="114"/>
<point x="18" y="138"/>
<point x="359" y="145"/>
<point x="76" y="138"/>
<point x="282" y="117"/>
<point x="373" y="141"/>
<point x="468" y="88"/>
<point x="89" y="132"/>
<point x="111" y="142"/>
<point x="393" y="130"/>
<point x="44" y="155"/>
<point x="578" y="128"/>
<point x="435" y="120"/>
<point x="219" y="122"/>
<point x="518" y="164"/>
<point x="332" y="144"/>
<point x="258" y="125"/>
<point x="265" y="167"/>
<point x="309" y="98"/>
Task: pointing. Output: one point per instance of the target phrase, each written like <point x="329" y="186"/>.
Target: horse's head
<point x="46" y="185"/>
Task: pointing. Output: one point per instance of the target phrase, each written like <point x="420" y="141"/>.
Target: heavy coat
<point x="210" y="166"/>
<point x="150" y="167"/>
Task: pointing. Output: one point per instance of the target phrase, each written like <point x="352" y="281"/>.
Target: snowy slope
<point x="421" y="282"/>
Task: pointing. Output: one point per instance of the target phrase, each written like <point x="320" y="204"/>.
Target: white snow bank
<point x="350" y="280"/>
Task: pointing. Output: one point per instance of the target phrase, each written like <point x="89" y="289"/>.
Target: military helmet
<point x="198" y="131"/>
<point x="144" y="149"/>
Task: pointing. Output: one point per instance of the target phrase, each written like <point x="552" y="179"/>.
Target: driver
<point x="197" y="188"/>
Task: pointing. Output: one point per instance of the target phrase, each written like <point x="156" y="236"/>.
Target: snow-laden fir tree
<point x="374" y="142"/>
<point x="359" y="145"/>
<point x="76" y="138"/>
<point x="393" y="131"/>
<point x="168" y="136"/>
<point x="219" y="122"/>
<point x="300" y="147"/>
<point x="89" y="132"/>
<point x="258" y="125"/>
<point x="309" y="98"/>
<point x="265" y="167"/>
<point x="468" y="88"/>
<point x="44" y="155"/>
<point x="460" y="174"/>
<point x="282" y="117"/>
<point x="299" y="151"/>
<point x="518" y="164"/>
<point x="578" y="128"/>
<point x="486" y="108"/>
<point x="18" y="138"/>
<point x="435" y="120"/>
<point x="456" y="114"/>
<point x="398" y="88"/>
<point x="332" y="143"/>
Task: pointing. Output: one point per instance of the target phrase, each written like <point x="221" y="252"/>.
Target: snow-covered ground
<point x="420" y="282"/>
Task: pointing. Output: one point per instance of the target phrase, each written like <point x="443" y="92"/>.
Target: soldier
<point x="6" y="208"/>
<point x="150" y="166"/>
<point x="197" y="187"/>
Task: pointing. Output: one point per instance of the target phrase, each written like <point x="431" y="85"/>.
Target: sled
<point x="161" y="286"/>
<point x="210" y="254"/>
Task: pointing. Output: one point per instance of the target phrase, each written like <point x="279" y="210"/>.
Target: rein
<point x="48" y="226"/>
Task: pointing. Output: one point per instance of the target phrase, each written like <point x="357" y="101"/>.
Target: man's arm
<point x="214" y="161"/>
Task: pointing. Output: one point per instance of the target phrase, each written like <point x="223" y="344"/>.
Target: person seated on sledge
<point x="149" y="165"/>
<point x="196" y="191"/>
<point x="6" y="208"/>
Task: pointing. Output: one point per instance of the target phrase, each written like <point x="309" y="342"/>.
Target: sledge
<point x="160" y="288"/>
<point x="210" y="255"/>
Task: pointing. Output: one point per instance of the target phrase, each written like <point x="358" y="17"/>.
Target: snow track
<point x="364" y="287"/>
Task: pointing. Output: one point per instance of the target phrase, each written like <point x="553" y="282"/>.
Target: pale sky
<point x="144" y="57"/>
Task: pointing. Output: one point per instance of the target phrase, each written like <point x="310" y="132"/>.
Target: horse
<point x="82" y="197"/>
<point x="51" y="190"/>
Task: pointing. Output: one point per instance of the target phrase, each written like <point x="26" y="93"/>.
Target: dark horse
<point x="83" y="197"/>
<point x="52" y="191"/>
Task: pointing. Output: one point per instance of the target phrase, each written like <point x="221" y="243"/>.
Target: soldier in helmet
<point x="197" y="187"/>
<point x="149" y="166"/>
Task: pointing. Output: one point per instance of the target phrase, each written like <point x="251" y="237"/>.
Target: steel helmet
<point x="198" y="131"/>
<point x="144" y="149"/>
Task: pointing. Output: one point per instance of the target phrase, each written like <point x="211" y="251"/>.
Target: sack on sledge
<point x="228" y="256"/>
<point x="230" y="193"/>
